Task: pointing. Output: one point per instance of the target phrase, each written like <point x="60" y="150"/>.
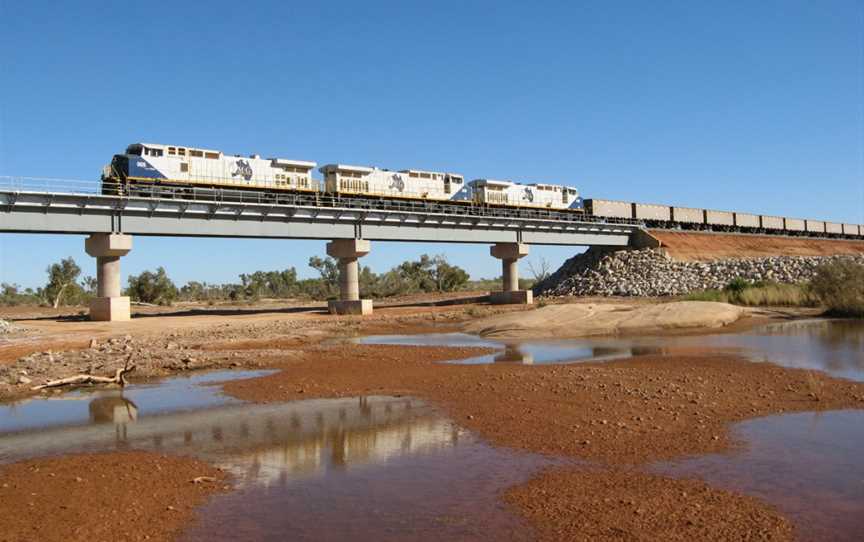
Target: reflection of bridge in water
<point x="258" y="443"/>
<point x="525" y="354"/>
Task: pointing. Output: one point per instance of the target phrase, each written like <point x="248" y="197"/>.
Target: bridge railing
<point x="49" y="185"/>
<point x="222" y="195"/>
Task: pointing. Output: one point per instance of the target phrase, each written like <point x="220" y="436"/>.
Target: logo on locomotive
<point x="528" y="195"/>
<point x="244" y="169"/>
<point x="397" y="182"/>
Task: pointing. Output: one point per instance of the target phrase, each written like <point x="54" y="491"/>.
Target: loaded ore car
<point x="850" y="229"/>
<point x="772" y="222"/>
<point x="834" y="227"/>
<point x="404" y="184"/>
<point x="794" y="224"/>
<point x="814" y="226"/>
<point x="148" y="164"/>
<point x="688" y="215"/>
<point x="512" y="194"/>
<point x="609" y="208"/>
<point x="746" y="220"/>
<point x="652" y="212"/>
<point x="719" y="218"/>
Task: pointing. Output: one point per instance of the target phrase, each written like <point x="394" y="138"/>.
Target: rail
<point x="305" y="199"/>
<point x="223" y="196"/>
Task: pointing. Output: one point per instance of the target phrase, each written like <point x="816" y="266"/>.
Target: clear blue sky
<point x="741" y="105"/>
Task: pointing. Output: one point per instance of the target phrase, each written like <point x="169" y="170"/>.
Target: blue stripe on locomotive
<point x="139" y="167"/>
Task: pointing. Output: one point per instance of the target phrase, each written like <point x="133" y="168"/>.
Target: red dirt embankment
<point x="690" y="246"/>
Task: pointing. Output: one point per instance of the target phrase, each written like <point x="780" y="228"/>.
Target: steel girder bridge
<point x="66" y="207"/>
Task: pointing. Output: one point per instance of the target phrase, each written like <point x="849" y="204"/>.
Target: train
<point x="692" y="218"/>
<point x="144" y="166"/>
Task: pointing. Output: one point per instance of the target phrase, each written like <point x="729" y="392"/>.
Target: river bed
<point x="322" y="469"/>
<point x="395" y="467"/>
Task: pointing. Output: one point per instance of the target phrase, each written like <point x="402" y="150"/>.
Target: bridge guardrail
<point x="48" y="185"/>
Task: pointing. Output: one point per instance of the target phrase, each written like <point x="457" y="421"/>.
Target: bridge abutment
<point x="509" y="254"/>
<point x="347" y="252"/>
<point x="108" y="305"/>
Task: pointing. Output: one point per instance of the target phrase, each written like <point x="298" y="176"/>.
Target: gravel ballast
<point x="650" y="273"/>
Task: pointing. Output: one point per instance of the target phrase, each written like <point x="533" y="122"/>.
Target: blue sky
<point x="755" y="106"/>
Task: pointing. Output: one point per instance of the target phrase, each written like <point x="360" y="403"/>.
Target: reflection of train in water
<point x="147" y="169"/>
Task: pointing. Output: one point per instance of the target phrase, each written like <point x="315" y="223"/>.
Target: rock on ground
<point x="649" y="273"/>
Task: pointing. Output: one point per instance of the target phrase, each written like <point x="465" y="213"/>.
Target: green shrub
<point x="707" y="295"/>
<point x="150" y="287"/>
<point x="840" y="288"/>
<point x="741" y="292"/>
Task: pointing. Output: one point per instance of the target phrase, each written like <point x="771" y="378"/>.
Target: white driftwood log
<point x="119" y="378"/>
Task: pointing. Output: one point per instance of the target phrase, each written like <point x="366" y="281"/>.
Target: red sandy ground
<point x="617" y="415"/>
<point x="713" y="246"/>
<point x="116" y="496"/>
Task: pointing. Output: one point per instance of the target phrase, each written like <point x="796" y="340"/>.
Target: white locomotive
<point x="407" y="183"/>
<point x="155" y="164"/>
<point x="185" y="166"/>
<point x="510" y="194"/>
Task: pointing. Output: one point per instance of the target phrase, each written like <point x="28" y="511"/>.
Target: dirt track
<point x="713" y="246"/>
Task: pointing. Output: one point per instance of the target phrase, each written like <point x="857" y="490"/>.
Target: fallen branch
<point x="119" y="378"/>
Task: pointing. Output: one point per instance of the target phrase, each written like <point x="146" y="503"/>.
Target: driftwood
<point x="119" y="378"/>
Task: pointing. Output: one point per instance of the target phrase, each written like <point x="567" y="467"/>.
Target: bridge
<point x="79" y="207"/>
<point x="111" y="219"/>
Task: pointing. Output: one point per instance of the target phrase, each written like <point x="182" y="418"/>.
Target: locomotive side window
<point x="172" y="151"/>
<point x="181" y="152"/>
<point x="195" y="153"/>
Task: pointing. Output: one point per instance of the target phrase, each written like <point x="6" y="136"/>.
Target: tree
<point x="149" y="287"/>
<point x="329" y="271"/>
<point x="431" y="274"/>
<point x="447" y="278"/>
<point x="61" y="278"/>
<point x="840" y="287"/>
<point x="540" y="270"/>
<point x="90" y="284"/>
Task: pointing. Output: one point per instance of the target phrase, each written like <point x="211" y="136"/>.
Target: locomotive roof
<point x="287" y="162"/>
<point x="483" y="182"/>
<point x="331" y="167"/>
<point x="430" y="172"/>
<point x="164" y="146"/>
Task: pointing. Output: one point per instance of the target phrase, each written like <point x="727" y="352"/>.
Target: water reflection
<point x="112" y="409"/>
<point x="261" y="444"/>
<point x="807" y="464"/>
<point x="116" y="410"/>
<point x="147" y="398"/>
<point x="374" y="467"/>
<point x="513" y="353"/>
<point x="834" y="346"/>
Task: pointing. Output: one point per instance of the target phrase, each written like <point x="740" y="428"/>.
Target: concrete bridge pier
<point x="109" y="305"/>
<point x="509" y="254"/>
<point x="347" y="251"/>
